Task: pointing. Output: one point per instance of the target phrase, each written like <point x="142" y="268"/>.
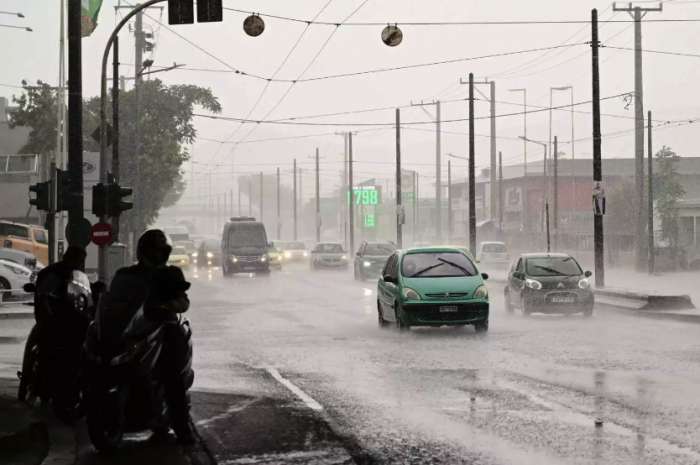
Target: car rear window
<point x="379" y="249"/>
<point x="40" y="236"/>
<point x="437" y="265"/>
<point x="495" y="248"/>
<point x="7" y="229"/>
<point x="553" y="266"/>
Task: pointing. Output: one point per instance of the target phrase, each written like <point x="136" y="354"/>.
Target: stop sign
<point x="101" y="234"/>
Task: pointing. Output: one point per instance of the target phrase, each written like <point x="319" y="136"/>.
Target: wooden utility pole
<point x="399" y="201"/>
<point x="351" y="197"/>
<point x="638" y="14"/>
<point x="650" y="207"/>
<point x="449" y="201"/>
<point x="294" y="169"/>
<point x="318" y="200"/>
<point x="555" y="218"/>
<point x="500" y="192"/>
<point x="279" y="209"/>
<point x="598" y="237"/>
<point x="472" y="174"/>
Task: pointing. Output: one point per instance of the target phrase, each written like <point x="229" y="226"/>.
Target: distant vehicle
<point x="244" y="247"/>
<point x="180" y="235"/>
<point x="179" y="257"/>
<point x="493" y="253"/>
<point x="13" y="277"/>
<point x="25" y="237"/>
<point x="208" y="253"/>
<point x="548" y="283"/>
<point x="329" y="255"/>
<point x="21" y="258"/>
<point x="371" y="258"/>
<point x="432" y="286"/>
<point x="293" y="251"/>
<point x="275" y="256"/>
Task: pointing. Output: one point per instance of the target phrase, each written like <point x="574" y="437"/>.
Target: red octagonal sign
<point x="101" y="234"/>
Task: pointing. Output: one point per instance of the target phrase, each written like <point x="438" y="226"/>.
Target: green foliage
<point x="667" y="191"/>
<point x="36" y="109"/>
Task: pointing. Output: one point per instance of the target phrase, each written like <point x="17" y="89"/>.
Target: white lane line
<point x="307" y="399"/>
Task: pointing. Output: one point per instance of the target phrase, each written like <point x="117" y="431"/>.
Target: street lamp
<point x="573" y="152"/>
<point x="524" y="196"/>
<point x="10" y="26"/>
<point x="12" y="13"/>
<point x="545" y="193"/>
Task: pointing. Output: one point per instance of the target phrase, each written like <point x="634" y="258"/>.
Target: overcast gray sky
<point x="670" y="83"/>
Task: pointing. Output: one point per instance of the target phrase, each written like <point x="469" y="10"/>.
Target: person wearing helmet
<point x="135" y="286"/>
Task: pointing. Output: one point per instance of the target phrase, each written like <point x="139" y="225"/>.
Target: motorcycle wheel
<point x="29" y="377"/>
<point x="105" y="431"/>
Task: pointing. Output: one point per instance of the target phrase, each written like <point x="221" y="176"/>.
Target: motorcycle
<point x="52" y="374"/>
<point x="126" y="393"/>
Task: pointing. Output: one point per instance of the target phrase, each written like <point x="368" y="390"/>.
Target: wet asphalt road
<point x="528" y="392"/>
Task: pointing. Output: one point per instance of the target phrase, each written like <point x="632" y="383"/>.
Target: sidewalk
<point x="15" y="310"/>
<point x="24" y="438"/>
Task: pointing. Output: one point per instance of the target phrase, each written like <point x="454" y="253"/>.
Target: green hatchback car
<point x="432" y="286"/>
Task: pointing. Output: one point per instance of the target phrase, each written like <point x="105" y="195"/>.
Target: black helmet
<point x="153" y="248"/>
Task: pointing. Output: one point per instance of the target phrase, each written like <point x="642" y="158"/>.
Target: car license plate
<point x="449" y="309"/>
<point x="562" y="300"/>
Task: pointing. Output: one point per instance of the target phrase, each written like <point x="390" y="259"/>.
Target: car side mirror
<point x="389" y="279"/>
<point x="484" y="276"/>
<point x="588" y="274"/>
<point x="519" y="275"/>
<point x="29" y="288"/>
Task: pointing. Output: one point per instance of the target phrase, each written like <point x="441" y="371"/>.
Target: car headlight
<point x="306" y="254"/>
<point x="344" y="257"/>
<point x="584" y="284"/>
<point x="366" y="264"/>
<point x="210" y="255"/>
<point x="410" y="294"/>
<point x="195" y="254"/>
<point x="533" y="284"/>
<point x="234" y="259"/>
<point x="288" y="255"/>
<point x="263" y="259"/>
<point x="18" y="271"/>
<point x="481" y="293"/>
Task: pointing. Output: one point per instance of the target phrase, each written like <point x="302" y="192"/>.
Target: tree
<point x="667" y="191"/>
<point x="36" y="109"/>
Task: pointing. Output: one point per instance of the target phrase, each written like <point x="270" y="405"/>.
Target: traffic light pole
<point x="75" y="124"/>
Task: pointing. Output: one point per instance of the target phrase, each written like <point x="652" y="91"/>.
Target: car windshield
<point x="247" y="235"/>
<point x="494" y="248"/>
<point x="329" y="248"/>
<point x="553" y="266"/>
<point x="437" y="265"/>
<point x="379" y="249"/>
<point x="7" y="229"/>
<point x="295" y="246"/>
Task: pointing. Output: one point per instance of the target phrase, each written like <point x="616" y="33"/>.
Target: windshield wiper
<point x="464" y="270"/>
<point x="551" y="270"/>
<point x="425" y="270"/>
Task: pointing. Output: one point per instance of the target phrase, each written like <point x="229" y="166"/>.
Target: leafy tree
<point x="165" y="129"/>
<point x="36" y="108"/>
<point x="667" y="191"/>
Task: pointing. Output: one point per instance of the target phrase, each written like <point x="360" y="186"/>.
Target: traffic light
<point x="99" y="200"/>
<point x="115" y="203"/>
<point x="65" y="199"/>
<point x="180" y="11"/>
<point x="209" y="11"/>
<point x="42" y="200"/>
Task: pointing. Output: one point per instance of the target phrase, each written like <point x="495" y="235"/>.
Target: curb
<point x="16" y="315"/>
<point x="657" y="315"/>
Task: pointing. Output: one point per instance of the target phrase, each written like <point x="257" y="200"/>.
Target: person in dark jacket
<point x="146" y="284"/>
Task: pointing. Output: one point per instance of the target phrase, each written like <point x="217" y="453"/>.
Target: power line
<point x="660" y="52"/>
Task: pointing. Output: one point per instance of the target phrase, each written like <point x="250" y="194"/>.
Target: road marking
<point x="235" y="408"/>
<point x="307" y="399"/>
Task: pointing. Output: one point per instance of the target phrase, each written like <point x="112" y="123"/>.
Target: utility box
<point x="115" y="259"/>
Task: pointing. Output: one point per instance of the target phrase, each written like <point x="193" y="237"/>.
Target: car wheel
<point x="401" y="324"/>
<point x="4" y="284"/>
<point x="380" y="318"/>
<point x="482" y="326"/>
<point x="509" y="304"/>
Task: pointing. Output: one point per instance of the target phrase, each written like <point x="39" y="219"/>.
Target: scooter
<point x="59" y="383"/>
<point x="125" y="392"/>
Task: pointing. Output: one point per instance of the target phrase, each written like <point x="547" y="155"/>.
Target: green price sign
<point x="369" y="221"/>
<point x="366" y="195"/>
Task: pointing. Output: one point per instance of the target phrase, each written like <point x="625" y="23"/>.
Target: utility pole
<point x="492" y="86"/>
<point x="138" y="80"/>
<point x="650" y="207"/>
<point x="449" y="201"/>
<point x="115" y="131"/>
<point x="415" y="207"/>
<point x="472" y="174"/>
<point x="500" y="192"/>
<point x="351" y="209"/>
<point x="240" y="210"/>
<point x="637" y="14"/>
<point x="523" y="200"/>
<point x="598" y="237"/>
<point x="399" y="201"/>
<point x="279" y="210"/>
<point x="555" y="157"/>
<point x="318" y="200"/>
<point x="75" y="235"/>
<point x="250" y="195"/>
<point x="262" y="211"/>
<point x="294" y="169"/>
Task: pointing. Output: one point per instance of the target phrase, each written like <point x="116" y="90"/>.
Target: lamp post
<point x="573" y="152"/>
<point x="545" y="193"/>
<point x="524" y="137"/>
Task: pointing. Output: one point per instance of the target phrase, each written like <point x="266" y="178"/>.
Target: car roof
<point x="330" y="243"/>
<point x="433" y="249"/>
<point x="492" y="242"/>
<point x="545" y="255"/>
<point x="14" y="252"/>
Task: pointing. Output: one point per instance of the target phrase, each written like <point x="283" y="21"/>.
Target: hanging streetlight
<point x="254" y="25"/>
<point x="392" y="35"/>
